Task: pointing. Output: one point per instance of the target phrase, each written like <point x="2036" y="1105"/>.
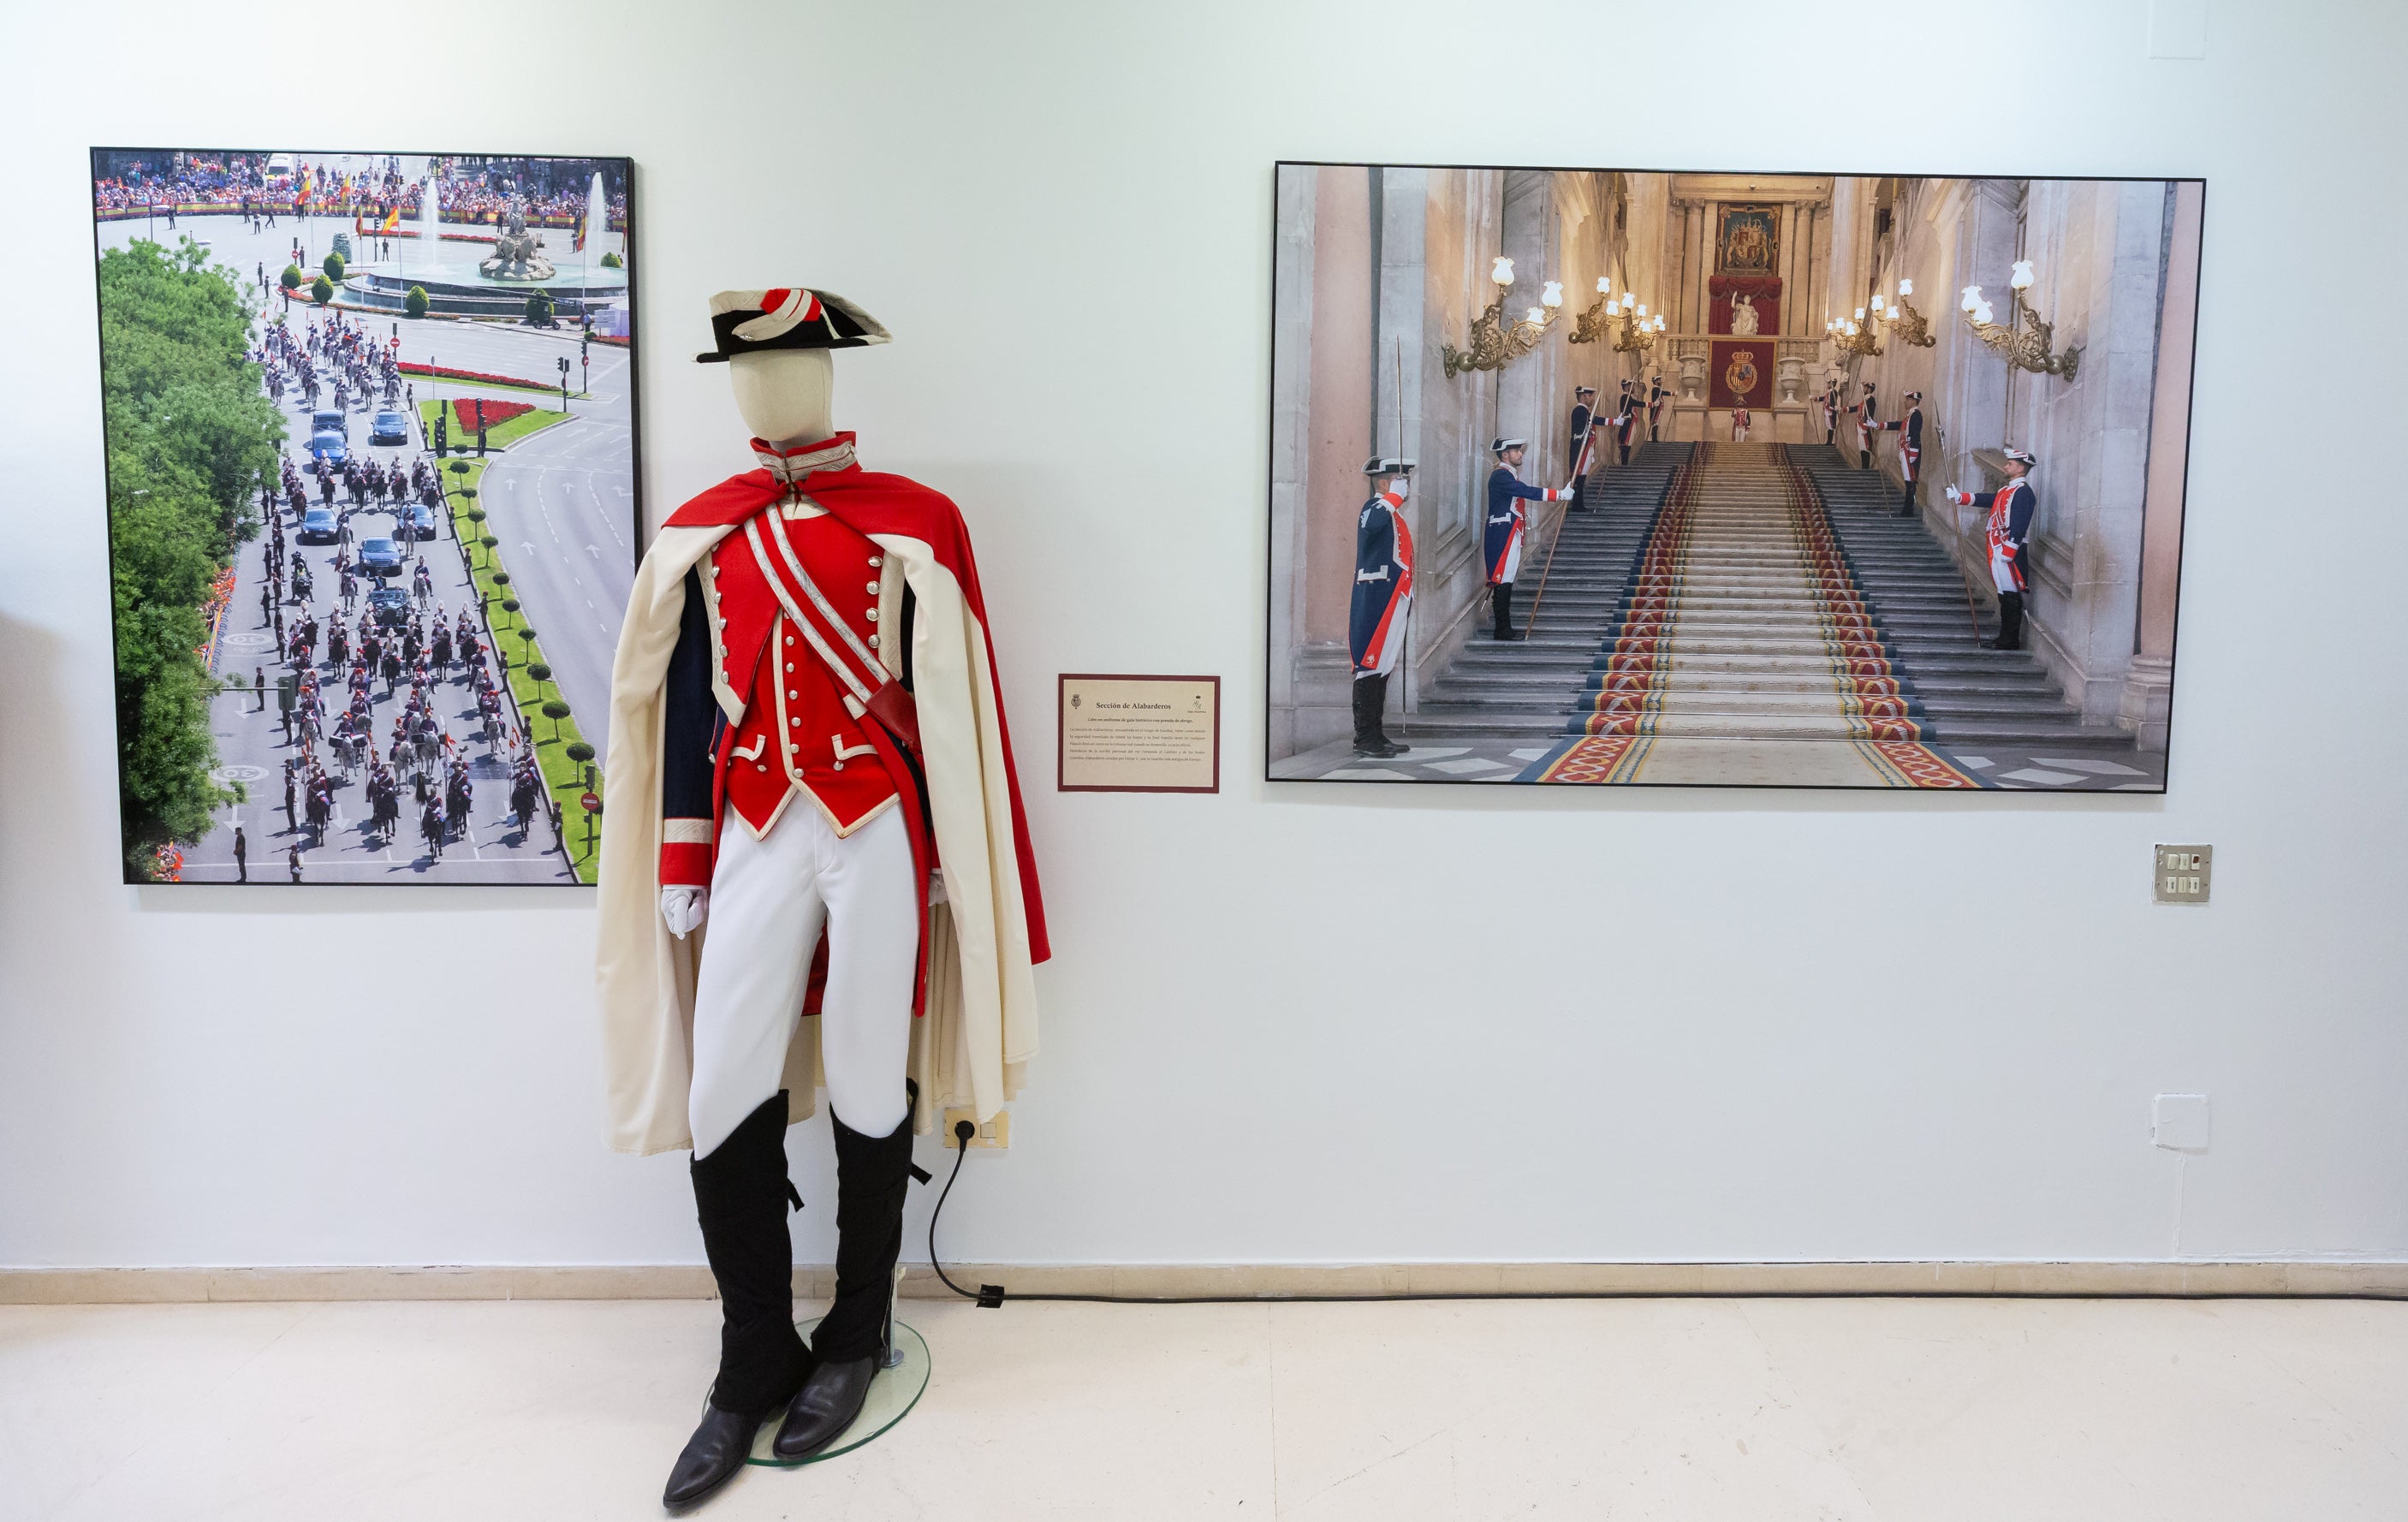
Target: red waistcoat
<point x="796" y="734"/>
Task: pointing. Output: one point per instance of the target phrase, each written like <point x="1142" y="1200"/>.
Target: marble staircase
<point x="1750" y="659"/>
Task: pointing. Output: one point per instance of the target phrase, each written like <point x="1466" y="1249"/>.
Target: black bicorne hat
<point x="787" y="317"/>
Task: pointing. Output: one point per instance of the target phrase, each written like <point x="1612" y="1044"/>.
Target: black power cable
<point x="992" y="1296"/>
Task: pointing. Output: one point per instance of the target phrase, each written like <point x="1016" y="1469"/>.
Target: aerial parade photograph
<point x="373" y="507"/>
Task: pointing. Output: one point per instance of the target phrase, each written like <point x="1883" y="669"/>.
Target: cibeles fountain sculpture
<point x="515" y="256"/>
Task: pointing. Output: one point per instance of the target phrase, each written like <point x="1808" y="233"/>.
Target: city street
<point x="560" y="506"/>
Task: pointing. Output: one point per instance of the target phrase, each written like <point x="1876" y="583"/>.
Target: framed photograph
<point x="373" y="509"/>
<point x="1716" y="479"/>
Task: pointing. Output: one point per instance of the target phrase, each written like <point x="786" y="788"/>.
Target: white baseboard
<point x="1269" y="1281"/>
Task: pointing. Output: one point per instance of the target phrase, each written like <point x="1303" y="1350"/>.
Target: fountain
<point x="515" y="251"/>
<point x="482" y="279"/>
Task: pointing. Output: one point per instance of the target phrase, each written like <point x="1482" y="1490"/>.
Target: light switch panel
<point x="2180" y="1122"/>
<point x="2182" y="874"/>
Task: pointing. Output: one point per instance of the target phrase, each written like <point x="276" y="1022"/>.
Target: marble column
<point x="2148" y="685"/>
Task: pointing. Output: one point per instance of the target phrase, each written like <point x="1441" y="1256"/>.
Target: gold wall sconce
<point x="2027" y="348"/>
<point x="1494" y="343"/>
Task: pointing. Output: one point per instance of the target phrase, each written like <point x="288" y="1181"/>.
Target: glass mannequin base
<point x="892" y="1395"/>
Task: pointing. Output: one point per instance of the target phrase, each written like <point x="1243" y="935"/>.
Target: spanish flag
<point x="392" y="219"/>
<point x="303" y="194"/>
<point x="576" y="243"/>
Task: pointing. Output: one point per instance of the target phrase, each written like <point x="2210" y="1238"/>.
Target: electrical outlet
<point x="2179" y="1122"/>
<point x="993" y="1133"/>
<point x="2182" y="874"/>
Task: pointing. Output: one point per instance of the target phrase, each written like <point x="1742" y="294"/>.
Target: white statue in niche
<point x="1744" y="316"/>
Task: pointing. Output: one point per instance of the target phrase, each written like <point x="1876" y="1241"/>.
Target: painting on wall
<point x="372" y="476"/>
<point x="1747" y="240"/>
<point x="1620" y="477"/>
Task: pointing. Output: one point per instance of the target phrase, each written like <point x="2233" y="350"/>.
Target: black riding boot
<point x="1906" y="505"/>
<point x="872" y="1175"/>
<point x="1370" y="703"/>
<point x="2011" y="623"/>
<point x="1864" y="459"/>
<point x="1500" y="605"/>
<point x="740" y="1194"/>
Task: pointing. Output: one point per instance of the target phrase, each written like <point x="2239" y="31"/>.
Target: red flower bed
<point x="448" y="373"/>
<point x="466" y="412"/>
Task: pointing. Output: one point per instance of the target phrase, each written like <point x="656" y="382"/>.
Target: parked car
<point x="320" y="526"/>
<point x="380" y="557"/>
<point x="388" y="606"/>
<point x="390" y="428"/>
<point x="417" y="521"/>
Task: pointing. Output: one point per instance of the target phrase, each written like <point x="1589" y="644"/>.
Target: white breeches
<point x="2002" y="573"/>
<point x="768" y="900"/>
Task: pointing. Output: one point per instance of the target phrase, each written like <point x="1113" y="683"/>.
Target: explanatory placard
<point x="1136" y="734"/>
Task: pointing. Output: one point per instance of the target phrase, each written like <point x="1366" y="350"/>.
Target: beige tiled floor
<point x="1960" y="1411"/>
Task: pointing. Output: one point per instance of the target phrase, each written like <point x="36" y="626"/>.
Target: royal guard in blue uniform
<point x="1657" y="393"/>
<point x="1501" y="540"/>
<point x="1831" y="411"/>
<point x="1741" y="422"/>
<point x="1384" y="596"/>
<point x="1867" y="425"/>
<point x="1910" y="450"/>
<point x="1625" y="422"/>
<point x="2011" y="508"/>
<point x="1583" y="423"/>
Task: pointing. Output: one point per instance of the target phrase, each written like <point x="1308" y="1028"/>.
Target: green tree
<point x="189" y="432"/>
<point x="321" y="290"/>
<point x="291" y="279"/>
<point x="611" y="261"/>
<point x="414" y="304"/>
<point x="333" y="267"/>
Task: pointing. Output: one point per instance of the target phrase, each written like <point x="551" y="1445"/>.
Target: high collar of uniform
<point x="790" y="467"/>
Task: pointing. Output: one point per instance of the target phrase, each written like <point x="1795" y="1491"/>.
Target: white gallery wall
<point x="1286" y="1023"/>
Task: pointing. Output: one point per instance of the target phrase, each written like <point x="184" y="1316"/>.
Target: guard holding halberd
<point x="1583" y="421"/>
<point x="1910" y="450"/>
<point x="2009" y="530"/>
<point x="1507" y="524"/>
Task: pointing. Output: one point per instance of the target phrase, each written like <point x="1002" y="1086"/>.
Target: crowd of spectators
<point x="242" y="180"/>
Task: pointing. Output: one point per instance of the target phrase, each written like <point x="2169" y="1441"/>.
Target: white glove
<point x="1956" y="497"/>
<point x="1400" y="488"/>
<point x="683" y="908"/>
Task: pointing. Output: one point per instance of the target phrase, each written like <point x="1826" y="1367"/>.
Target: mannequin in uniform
<point x="810" y="769"/>
<point x="2009" y="529"/>
<point x="1383" y="595"/>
